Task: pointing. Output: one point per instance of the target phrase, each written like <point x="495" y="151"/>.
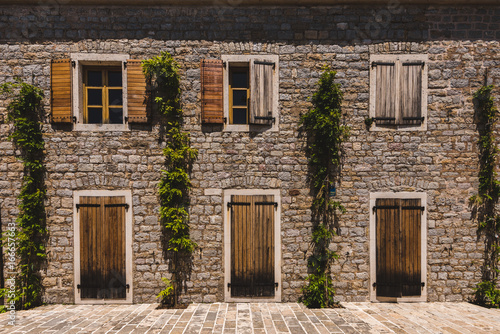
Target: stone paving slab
<point x="257" y="318"/>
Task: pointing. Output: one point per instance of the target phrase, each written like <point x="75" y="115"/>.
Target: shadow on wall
<point x="291" y="25"/>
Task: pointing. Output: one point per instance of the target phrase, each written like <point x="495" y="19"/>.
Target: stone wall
<point x="441" y="161"/>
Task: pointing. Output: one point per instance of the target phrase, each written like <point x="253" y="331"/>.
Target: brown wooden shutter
<point x="388" y="260"/>
<point x="252" y="246"/>
<point x="411" y="93"/>
<point x="60" y="82"/>
<point x="241" y="245"/>
<point x="102" y="247"/>
<point x="385" y="94"/>
<point x="212" y="110"/>
<point x="261" y="92"/>
<point x="136" y="93"/>
<point x="411" y="279"/>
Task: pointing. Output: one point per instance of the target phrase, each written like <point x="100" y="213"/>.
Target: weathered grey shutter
<point x="136" y="93"/>
<point x="261" y="92"/>
<point x="212" y="111"/>
<point x="411" y="93"/>
<point x="385" y="94"/>
<point x="60" y="80"/>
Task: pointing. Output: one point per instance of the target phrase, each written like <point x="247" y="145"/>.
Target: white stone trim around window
<point x="83" y="59"/>
<point x="373" y="244"/>
<point x="399" y="58"/>
<point x="227" y="193"/>
<point x="128" y="245"/>
<point x="228" y="59"/>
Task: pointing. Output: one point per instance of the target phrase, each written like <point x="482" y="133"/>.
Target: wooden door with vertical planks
<point x="252" y="246"/>
<point x="102" y="247"/>
<point x="398" y="247"/>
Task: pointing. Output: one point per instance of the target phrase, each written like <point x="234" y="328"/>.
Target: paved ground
<point x="257" y="318"/>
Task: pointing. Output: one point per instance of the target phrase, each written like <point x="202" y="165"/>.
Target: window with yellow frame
<point x="103" y="95"/>
<point x="239" y="94"/>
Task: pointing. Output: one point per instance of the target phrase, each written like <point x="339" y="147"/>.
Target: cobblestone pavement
<point x="257" y="318"/>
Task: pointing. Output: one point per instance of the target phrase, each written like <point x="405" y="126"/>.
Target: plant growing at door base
<point x="325" y="135"/>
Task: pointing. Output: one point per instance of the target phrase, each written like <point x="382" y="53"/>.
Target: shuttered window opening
<point x="250" y="90"/>
<point x="398" y="92"/>
<point x="60" y="89"/>
<point x="102" y="247"/>
<point x="398" y="247"/>
<point x="252" y="246"/>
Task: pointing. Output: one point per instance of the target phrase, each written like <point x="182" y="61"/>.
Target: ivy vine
<point x="25" y="243"/>
<point x="163" y="74"/>
<point x="487" y="197"/>
<point x="325" y="135"/>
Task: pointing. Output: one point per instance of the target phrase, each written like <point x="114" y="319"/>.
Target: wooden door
<point x="102" y="247"/>
<point x="398" y="247"/>
<point x="252" y="246"/>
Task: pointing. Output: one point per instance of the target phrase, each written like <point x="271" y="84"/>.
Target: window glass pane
<point x="115" y="115"/>
<point x="239" y="79"/>
<point x="239" y="116"/>
<point x="239" y="98"/>
<point x="94" y="115"/>
<point x="94" y="97"/>
<point x="115" y="97"/>
<point x="94" y="78"/>
<point x="114" y="78"/>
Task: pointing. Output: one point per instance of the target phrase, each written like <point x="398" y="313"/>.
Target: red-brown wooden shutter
<point x="60" y="88"/>
<point x="261" y="92"/>
<point x="136" y="93"/>
<point x="212" y="111"/>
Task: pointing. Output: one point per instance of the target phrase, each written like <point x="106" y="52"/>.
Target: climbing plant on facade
<point x="25" y="240"/>
<point x="486" y="199"/>
<point x="162" y="72"/>
<point x="325" y="134"/>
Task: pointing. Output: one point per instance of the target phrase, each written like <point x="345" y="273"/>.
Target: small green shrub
<point x="166" y="294"/>
<point x="487" y="294"/>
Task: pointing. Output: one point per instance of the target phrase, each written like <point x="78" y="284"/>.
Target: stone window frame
<point x="227" y="60"/>
<point x="128" y="245"/>
<point x="399" y="58"/>
<point x="227" y="193"/>
<point x="373" y="243"/>
<point x="96" y="59"/>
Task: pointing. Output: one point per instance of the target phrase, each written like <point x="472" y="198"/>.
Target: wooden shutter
<point x="411" y="93"/>
<point x="398" y="247"/>
<point x="261" y="92"/>
<point x="385" y="97"/>
<point x="137" y="103"/>
<point x="60" y="88"/>
<point x="252" y="246"/>
<point x="212" y="111"/>
<point x="388" y="261"/>
<point x="411" y="279"/>
<point x="102" y="247"/>
<point x="241" y="245"/>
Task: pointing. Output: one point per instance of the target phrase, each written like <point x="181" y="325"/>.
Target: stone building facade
<point x="439" y="161"/>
